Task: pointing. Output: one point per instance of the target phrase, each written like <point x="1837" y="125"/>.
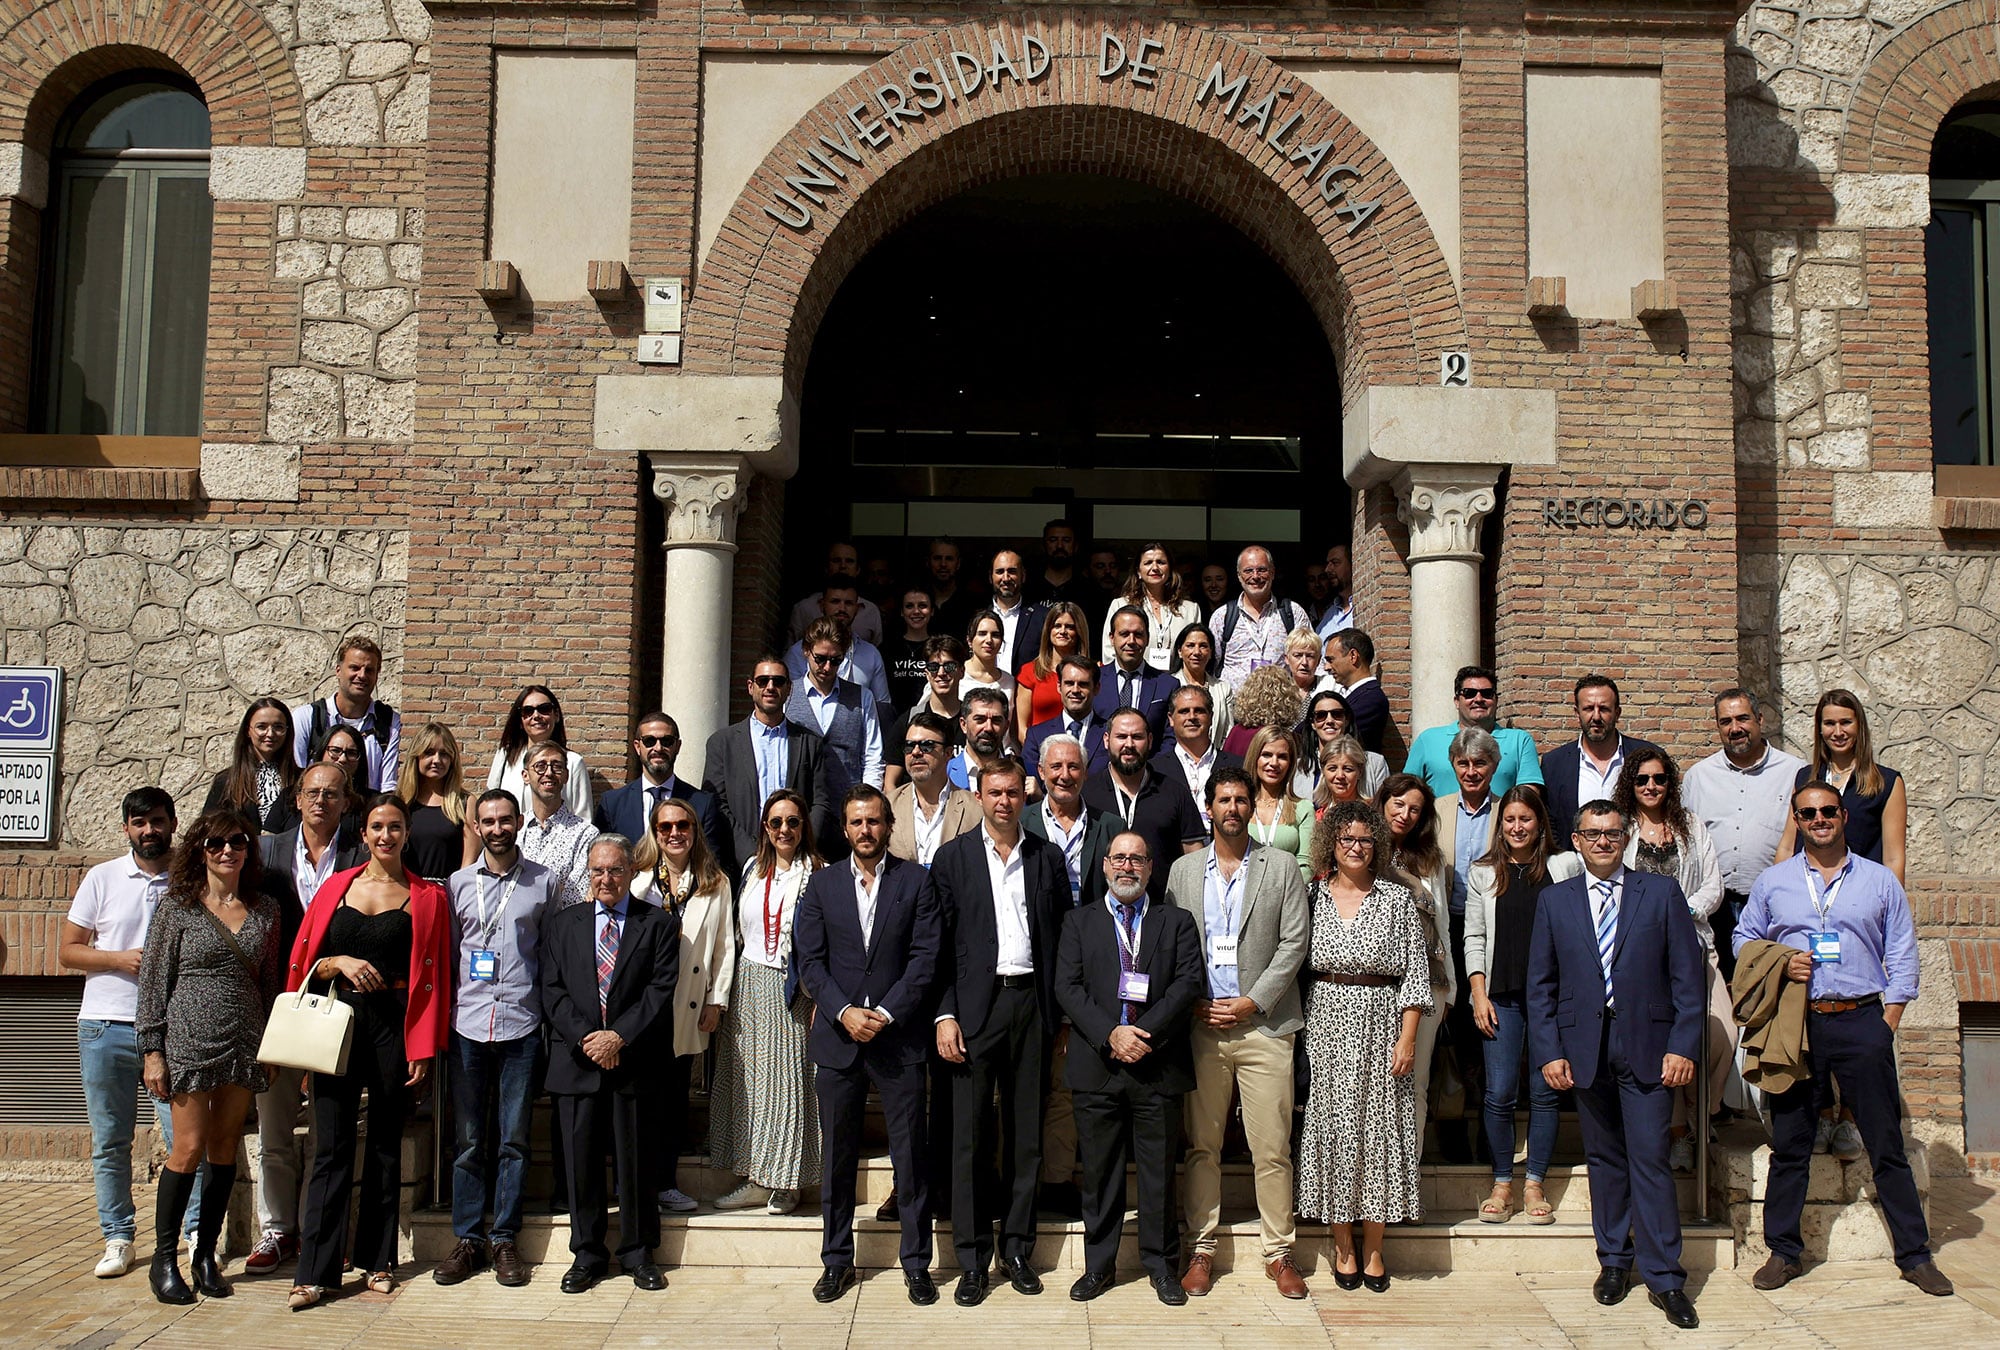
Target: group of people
<point x="1057" y="915"/>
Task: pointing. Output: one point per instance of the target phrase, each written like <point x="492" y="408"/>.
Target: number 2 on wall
<point x="1455" y="369"/>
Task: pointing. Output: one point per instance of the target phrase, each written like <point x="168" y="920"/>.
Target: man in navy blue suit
<point x="1076" y="679"/>
<point x="866" y="941"/>
<point x="1126" y="681"/>
<point x="628" y="810"/>
<point x="1587" y="767"/>
<point x="1615" y="1008"/>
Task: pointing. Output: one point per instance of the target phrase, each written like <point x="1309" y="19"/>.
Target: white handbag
<point x="308" y="1031"/>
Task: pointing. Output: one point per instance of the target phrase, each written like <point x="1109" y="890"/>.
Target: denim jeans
<point x="108" y="1053"/>
<point x="503" y="1073"/>
<point x="1504" y="1071"/>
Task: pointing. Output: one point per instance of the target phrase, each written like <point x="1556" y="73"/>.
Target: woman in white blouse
<point x="535" y="720"/>
<point x="1154" y="589"/>
<point x="1193" y="662"/>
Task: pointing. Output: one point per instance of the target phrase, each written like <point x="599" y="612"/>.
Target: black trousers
<point x="1723" y="924"/>
<point x="843" y="1103"/>
<point x="671" y="1116"/>
<point x="588" y="1123"/>
<point x="378" y="1066"/>
<point x="1008" y="1055"/>
<point x="1858" y="1048"/>
<point x="1103" y="1121"/>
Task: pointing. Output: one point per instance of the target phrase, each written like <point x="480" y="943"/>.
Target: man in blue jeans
<point x="102" y="937"/>
<point x="497" y="907"/>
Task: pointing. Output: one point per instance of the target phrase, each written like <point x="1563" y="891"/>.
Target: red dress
<point x="1044" y="696"/>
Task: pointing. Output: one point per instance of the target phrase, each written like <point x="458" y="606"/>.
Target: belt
<point x="1366" y="981"/>
<point x="1841" y="1005"/>
<point x="1016" y="981"/>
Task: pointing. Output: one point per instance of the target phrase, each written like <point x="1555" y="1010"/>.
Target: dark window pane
<point x="90" y="304"/>
<point x="141" y="116"/>
<point x="1951" y="263"/>
<point x="177" y="325"/>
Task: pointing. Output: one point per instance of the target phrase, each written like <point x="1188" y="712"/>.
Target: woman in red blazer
<point x="382" y="939"/>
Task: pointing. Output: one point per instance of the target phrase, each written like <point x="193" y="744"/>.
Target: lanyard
<point x="1229" y="884"/>
<point x="1822" y="901"/>
<point x="1127" y="942"/>
<point x="487" y="927"/>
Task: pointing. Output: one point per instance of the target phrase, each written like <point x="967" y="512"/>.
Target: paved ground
<point x="49" y="1299"/>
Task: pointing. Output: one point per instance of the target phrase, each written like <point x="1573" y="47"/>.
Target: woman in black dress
<point x="262" y="773"/>
<point x="442" y="839"/>
<point x="212" y="965"/>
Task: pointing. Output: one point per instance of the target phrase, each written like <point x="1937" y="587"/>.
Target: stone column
<point x="1443" y="504"/>
<point x="704" y="495"/>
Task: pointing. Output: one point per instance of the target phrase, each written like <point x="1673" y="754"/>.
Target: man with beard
<point x="860" y="660"/>
<point x="1587" y="768"/>
<point x="1020" y="622"/>
<point x="1153" y="805"/>
<point x="628" y="810"/>
<point x="984" y="722"/>
<point x="1104" y="582"/>
<point x="357" y="667"/>
<point x="843" y="564"/>
<point x="951" y="605"/>
<point x="1742" y="793"/>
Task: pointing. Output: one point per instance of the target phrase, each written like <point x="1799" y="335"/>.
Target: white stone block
<point x="250" y="473"/>
<point x="1845" y="449"/>
<point x="346" y="115"/>
<point x="304" y="405"/>
<point x="379" y="410"/>
<point x="1882" y="500"/>
<point x="372" y="222"/>
<point x="257" y="173"/>
<point x="24" y="173"/>
<point x="1391" y="427"/>
<point x="342" y="20"/>
<point x="750" y="415"/>
<point x="1881" y="200"/>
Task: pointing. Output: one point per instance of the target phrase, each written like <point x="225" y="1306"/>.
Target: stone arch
<point x="1913" y="82"/>
<point x="1353" y="239"/>
<point x="226" y="47"/>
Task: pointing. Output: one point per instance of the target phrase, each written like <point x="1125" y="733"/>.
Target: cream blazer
<point x="708" y="957"/>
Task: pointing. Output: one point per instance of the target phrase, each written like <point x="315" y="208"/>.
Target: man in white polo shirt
<point x="102" y="937"/>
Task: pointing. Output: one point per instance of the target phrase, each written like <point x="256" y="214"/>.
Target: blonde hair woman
<point x="1278" y="818"/>
<point x="432" y="781"/>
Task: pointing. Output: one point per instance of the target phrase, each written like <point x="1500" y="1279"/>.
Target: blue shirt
<point x="1430" y="760"/>
<point x="773" y="753"/>
<point x="1222" y="911"/>
<point x="506" y="1007"/>
<point x="1475" y="831"/>
<point x="1878" y="937"/>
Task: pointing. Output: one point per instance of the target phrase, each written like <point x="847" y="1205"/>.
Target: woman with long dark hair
<point x="1065" y="632"/>
<point x="1156" y="590"/>
<point x="535" y="720"/>
<point x="1410" y="812"/>
<point x="1194" y="663"/>
<point x="262" y="774"/>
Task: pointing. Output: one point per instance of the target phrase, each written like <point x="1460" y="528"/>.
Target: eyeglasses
<point x="321" y="794"/>
<point x="673" y="827"/>
<point x="217" y="843"/>
<point x="538" y="710"/>
<point x="1476" y="695"/>
<point x="656" y="742"/>
<point x="770" y="681"/>
<point x="944" y="667"/>
<point x="1354" y="843"/>
<point x="1128" y="861"/>
<point x="776" y="823"/>
<point x="1818" y="812"/>
<point x="340" y="752"/>
<point x="1600" y="836"/>
<point x="548" y="768"/>
<point x="1649" y="780"/>
<point x="923" y="747"/>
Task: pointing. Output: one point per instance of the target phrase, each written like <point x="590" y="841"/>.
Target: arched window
<point x="1962" y="270"/>
<point x="127" y="292"/>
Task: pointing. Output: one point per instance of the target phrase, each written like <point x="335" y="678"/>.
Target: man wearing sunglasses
<point x="1588" y="767"/>
<point x="928" y="811"/>
<point x="847" y="716"/>
<point x="1477" y="693"/>
<point x="944" y="663"/>
<point x="656" y="740"/>
<point x="749" y="760"/>
<point x="859" y="660"/>
<point x="1857" y="955"/>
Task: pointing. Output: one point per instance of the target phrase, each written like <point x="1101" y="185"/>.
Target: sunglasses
<point x="1649" y="780"/>
<point x="825" y="658"/>
<point x="925" y="747"/>
<point x="217" y="843"/>
<point x="1329" y="715"/>
<point x="538" y="710"/>
<point x="673" y="827"/>
<point x="655" y="742"/>
<point x="1818" y="812"/>
<point x="776" y="823"/>
<point x="1476" y="695"/>
<point x="944" y="667"/>
<point x="770" y="681"/>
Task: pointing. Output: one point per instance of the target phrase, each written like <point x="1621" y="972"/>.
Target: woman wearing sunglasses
<point x="212" y="965"/>
<point x="1670" y="840"/>
<point x="535" y="720"/>
<point x="382" y="939"/>
<point x="675" y="871"/>
<point x="763" y="1120"/>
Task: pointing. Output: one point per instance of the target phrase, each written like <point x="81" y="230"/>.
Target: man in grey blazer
<point x="1250" y="912"/>
<point x="749" y="760"/>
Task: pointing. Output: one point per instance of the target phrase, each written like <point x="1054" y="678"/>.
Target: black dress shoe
<point x="165" y="1279"/>
<point x="1090" y="1284"/>
<point x="1168" y="1288"/>
<point x="971" y="1291"/>
<point x="836" y="1281"/>
<point x="1678" y="1307"/>
<point x="888" y="1211"/>
<point x="1378" y="1284"/>
<point x="579" y="1278"/>
<point x="1021" y="1276"/>
<point x="1346" y="1279"/>
<point x="1612" y="1284"/>
<point x="923" y="1292"/>
<point x="649" y="1276"/>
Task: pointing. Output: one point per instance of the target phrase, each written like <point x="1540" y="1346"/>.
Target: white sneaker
<point x="1846" y="1142"/>
<point x="783" y="1202"/>
<point x="1680" y="1156"/>
<point x="117" y="1259"/>
<point x="1822" y="1135"/>
<point x="672" y="1199"/>
<point x="747" y="1196"/>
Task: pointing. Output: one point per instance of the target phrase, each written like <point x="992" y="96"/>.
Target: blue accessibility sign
<point x="30" y="707"/>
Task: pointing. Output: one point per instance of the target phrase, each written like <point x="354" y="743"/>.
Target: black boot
<point x="169" y="1209"/>
<point x="215" y="1189"/>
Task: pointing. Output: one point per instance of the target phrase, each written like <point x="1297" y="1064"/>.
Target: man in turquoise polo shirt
<point x="1476" y="693"/>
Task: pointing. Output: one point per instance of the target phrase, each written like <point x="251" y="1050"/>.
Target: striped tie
<point x="1128" y="918"/>
<point x="607" y="961"/>
<point x="1607" y="932"/>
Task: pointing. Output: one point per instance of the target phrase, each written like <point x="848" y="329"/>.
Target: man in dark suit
<point x="1076" y="679"/>
<point x="1002" y="894"/>
<point x="1128" y="974"/>
<point x="1142" y="798"/>
<point x="607" y="984"/>
<point x="1350" y="659"/>
<point x="1588" y="766"/>
<point x="1192" y="755"/>
<point x="628" y="810"/>
<point x="1616" y="1002"/>
<point x="749" y="760"/>
<point x="866" y="942"/>
<point x="1126" y="681"/>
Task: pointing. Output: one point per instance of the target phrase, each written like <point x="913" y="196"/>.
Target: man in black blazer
<point x="1128" y="974"/>
<point x="1076" y="679"/>
<point x="741" y="776"/>
<point x="1141" y="797"/>
<point x="1126" y="681"/>
<point x="1588" y="766"/>
<point x="1191" y="754"/>
<point x="607" y="984"/>
<point x="627" y="810"/>
<point x="1350" y="659"/>
<point x="865" y="940"/>
<point x="1002" y="894"/>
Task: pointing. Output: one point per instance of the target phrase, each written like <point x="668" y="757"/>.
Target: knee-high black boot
<point x="169" y="1209"/>
<point x="215" y="1189"/>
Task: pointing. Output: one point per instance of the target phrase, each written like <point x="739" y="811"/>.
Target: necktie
<point x="1607" y="932"/>
<point x="1128" y="915"/>
<point x="659" y="794"/>
<point x="607" y="961"/>
<point x="1125" y="688"/>
<point x="1076" y="730"/>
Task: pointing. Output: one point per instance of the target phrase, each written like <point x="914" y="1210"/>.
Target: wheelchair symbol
<point x="23" y="712"/>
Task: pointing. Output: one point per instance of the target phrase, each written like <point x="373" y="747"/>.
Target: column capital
<point x="1444" y="504"/>
<point x="704" y="496"/>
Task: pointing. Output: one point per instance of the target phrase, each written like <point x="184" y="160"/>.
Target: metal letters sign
<point x="1611" y="513"/>
<point x="30" y="719"/>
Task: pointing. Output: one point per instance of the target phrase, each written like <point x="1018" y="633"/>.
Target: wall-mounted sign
<point x="1612" y="513"/>
<point x="30" y="718"/>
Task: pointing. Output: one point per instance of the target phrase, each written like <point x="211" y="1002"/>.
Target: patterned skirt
<point x="763" y="1116"/>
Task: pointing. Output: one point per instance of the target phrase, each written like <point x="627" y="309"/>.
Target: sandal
<point x="1536" y="1207"/>
<point x="304" y="1296"/>
<point x="1496" y="1207"/>
<point x="382" y="1281"/>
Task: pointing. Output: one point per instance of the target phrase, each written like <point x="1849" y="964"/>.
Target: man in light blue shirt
<point x="1477" y="692"/>
<point x="860" y="661"/>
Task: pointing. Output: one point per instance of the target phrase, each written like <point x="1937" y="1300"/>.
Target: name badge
<point x="1826" y="949"/>
<point x="1133" y="988"/>
<point x="486" y="966"/>
<point x="1222" y="950"/>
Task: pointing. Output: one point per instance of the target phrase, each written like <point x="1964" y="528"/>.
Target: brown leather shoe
<point x="1930" y="1279"/>
<point x="1291" y="1284"/>
<point x="467" y="1259"/>
<point x="1200" y="1277"/>
<point x="1776" y="1273"/>
<point x="508" y="1268"/>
